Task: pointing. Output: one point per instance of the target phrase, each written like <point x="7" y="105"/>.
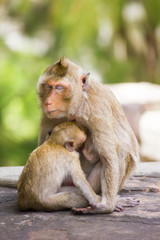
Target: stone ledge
<point x="141" y="222"/>
<point x="142" y="93"/>
<point x="141" y="104"/>
<point x="151" y="169"/>
<point x="9" y="175"/>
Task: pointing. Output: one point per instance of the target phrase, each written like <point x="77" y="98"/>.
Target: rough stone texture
<point x="141" y="103"/>
<point x="142" y="93"/>
<point x="9" y="176"/>
<point x="149" y="131"/>
<point x="141" y="222"/>
<point x="148" y="169"/>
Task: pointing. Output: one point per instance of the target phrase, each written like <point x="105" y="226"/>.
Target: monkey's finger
<point x="118" y="208"/>
<point x="86" y="210"/>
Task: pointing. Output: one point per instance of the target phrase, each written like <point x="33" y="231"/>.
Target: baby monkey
<point x="47" y="168"/>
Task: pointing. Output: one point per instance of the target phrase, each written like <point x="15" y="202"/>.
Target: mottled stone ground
<point x="138" y="223"/>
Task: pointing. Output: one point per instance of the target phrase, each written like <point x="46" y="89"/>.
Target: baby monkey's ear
<point x="69" y="145"/>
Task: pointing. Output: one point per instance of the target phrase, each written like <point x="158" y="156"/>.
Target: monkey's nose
<point x="47" y="103"/>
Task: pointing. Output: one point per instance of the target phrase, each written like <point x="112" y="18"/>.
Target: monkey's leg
<point x="120" y="201"/>
<point x="55" y="200"/>
<point x="70" y="197"/>
<point x="109" y="187"/>
<point x="64" y="200"/>
<point x="52" y="200"/>
<point x="130" y="163"/>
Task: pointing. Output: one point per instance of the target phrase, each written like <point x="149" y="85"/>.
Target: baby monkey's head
<point x="68" y="134"/>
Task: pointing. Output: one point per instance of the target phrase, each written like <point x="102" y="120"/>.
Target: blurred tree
<point x="116" y="40"/>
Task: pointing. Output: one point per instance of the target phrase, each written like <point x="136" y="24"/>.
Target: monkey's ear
<point x="85" y="81"/>
<point x="63" y="62"/>
<point x="69" y="145"/>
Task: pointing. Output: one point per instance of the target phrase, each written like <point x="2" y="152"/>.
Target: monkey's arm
<point x="104" y="177"/>
<point x="80" y="181"/>
<point x="106" y="172"/>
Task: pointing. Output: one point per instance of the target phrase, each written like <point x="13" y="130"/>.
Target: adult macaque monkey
<point x="67" y="92"/>
<point x="47" y="167"/>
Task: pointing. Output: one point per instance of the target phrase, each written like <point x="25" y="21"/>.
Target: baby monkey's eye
<point x="59" y="87"/>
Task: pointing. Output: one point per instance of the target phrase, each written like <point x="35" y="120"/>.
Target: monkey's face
<point x="61" y="87"/>
<point x="57" y="95"/>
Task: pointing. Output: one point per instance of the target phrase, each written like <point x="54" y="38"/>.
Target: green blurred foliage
<point x="119" y="41"/>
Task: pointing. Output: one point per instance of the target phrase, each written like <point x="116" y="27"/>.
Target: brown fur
<point x="47" y="167"/>
<point x="113" y="145"/>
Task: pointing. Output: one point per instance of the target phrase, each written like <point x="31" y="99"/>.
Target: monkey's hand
<point x="101" y="208"/>
<point x="91" y="209"/>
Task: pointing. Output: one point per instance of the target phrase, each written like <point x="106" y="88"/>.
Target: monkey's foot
<point x="127" y="202"/>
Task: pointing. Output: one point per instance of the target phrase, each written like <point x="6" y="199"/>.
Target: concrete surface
<point x="9" y="176"/>
<point x="141" y="104"/>
<point x="138" y="223"/>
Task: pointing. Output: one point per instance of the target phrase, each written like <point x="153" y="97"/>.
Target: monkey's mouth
<point x="52" y="111"/>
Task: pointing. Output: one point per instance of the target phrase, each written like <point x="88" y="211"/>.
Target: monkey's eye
<point x="47" y="86"/>
<point x="59" y="87"/>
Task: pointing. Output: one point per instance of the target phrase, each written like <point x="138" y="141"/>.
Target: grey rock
<point x="9" y="176"/>
<point x="141" y="222"/>
<point x="141" y="104"/>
